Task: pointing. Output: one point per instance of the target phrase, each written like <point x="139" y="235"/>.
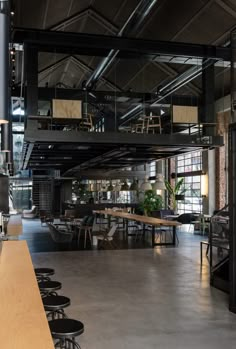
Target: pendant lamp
<point x="159" y="183"/>
<point x="146" y="185"/>
<point x="125" y="186"/>
<point x="117" y="187"/>
<point x="110" y="187"/>
<point x="134" y="185"/>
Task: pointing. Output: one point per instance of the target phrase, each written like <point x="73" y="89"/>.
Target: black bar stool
<point x="49" y="288"/>
<point x="42" y="274"/>
<point x="55" y="305"/>
<point x="66" y="330"/>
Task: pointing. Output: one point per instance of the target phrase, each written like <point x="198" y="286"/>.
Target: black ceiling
<point x="206" y="22"/>
<point x="202" y="22"/>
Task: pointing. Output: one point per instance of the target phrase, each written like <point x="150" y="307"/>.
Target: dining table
<point x="145" y="221"/>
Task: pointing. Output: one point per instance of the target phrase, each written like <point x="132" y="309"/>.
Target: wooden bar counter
<point x="23" y="322"/>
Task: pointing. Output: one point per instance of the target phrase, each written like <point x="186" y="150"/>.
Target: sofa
<point x="30" y="213"/>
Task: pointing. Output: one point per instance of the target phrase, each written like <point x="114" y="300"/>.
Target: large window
<point x="152" y="169"/>
<point x="20" y="194"/>
<point x="191" y="162"/>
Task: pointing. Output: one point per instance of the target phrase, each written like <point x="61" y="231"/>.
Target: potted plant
<point x="151" y="202"/>
<point x="175" y="192"/>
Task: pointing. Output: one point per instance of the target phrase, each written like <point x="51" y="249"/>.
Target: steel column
<point x="232" y="217"/>
<point x="233" y="76"/>
<point x="208" y="116"/>
<point x="31" y="80"/>
<point x="4" y="61"/>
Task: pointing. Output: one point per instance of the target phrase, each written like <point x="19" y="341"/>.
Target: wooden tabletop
<point x="14" y="225"/>
<point x="23" y="323"/>
<point x="139" y="218"/>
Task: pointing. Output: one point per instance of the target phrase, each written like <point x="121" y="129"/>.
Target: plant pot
<point x="179" y="197"/>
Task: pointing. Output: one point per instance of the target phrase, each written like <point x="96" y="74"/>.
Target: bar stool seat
<point x="44" y="271"/>
<point x="48" y="288"/>
<point x="55" y="305"/>
<point x="66" y="330"/>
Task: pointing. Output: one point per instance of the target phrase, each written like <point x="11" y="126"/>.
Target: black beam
<point x="107" y="97"/>
<point x="31" y="80"/>
<point x="112" y="138"/>
<point x="207" y="114"/>
<point x="90" y="44"/>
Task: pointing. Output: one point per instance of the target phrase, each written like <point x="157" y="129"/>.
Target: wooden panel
<point x="185" y="114"/>
<point x="14" y="226"/>
<point x="22" y="317"/>
<point x="66" y="109"/>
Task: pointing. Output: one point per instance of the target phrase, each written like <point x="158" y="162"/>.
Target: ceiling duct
<point x="132" y="24"/>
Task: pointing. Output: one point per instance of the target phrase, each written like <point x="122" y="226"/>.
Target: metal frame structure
<point x="100" y="45"/>
<point x="232" y="217"/>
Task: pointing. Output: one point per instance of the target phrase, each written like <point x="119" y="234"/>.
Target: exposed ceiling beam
<point x="173" y="73"/>
<point x="48" y="41"/>
<point x="133" y="22"/>
<point x="89" y="12"/>
<point x="226" y="7"/>
<point x="84" y="66"/>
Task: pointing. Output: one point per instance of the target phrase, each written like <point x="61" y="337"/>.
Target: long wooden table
<point x="154" y="222"/>
<point x="23" y="323"/>
<point x="14" y="225"/>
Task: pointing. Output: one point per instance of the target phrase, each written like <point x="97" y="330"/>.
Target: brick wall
<point x="221" y="162"/>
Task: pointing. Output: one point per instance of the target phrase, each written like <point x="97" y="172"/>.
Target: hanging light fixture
<point x="125" y="186"/>
<point x="110" y="187"/>
<point x="117" y="187"/>
<point x="146" y="185"/>
<point x="104" y="187"/>
<point x="134" y="185"/>
<point x="159" y="183"/>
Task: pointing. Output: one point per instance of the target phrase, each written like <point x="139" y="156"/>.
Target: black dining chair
<point x="186" y="218"/>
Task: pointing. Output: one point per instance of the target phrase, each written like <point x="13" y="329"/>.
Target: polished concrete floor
<point x="40" y="240"/>
<point x="144" y="298"/>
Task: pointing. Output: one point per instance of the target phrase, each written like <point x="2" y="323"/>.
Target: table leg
<point x="201" y="251"/>
<point x="153" y="236"/>
<point x="174" y="235"/>
<point x="126" y="228"/>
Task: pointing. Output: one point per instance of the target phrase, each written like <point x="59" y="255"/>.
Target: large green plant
<point x="174" y="190"/>
<point x="151" y="202"/>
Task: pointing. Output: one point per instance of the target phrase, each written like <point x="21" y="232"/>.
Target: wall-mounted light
<point x="204" y="185"/>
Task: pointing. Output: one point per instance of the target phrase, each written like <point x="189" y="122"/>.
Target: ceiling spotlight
<point x="12" y="13"/>
<point x="162" y="112"/>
